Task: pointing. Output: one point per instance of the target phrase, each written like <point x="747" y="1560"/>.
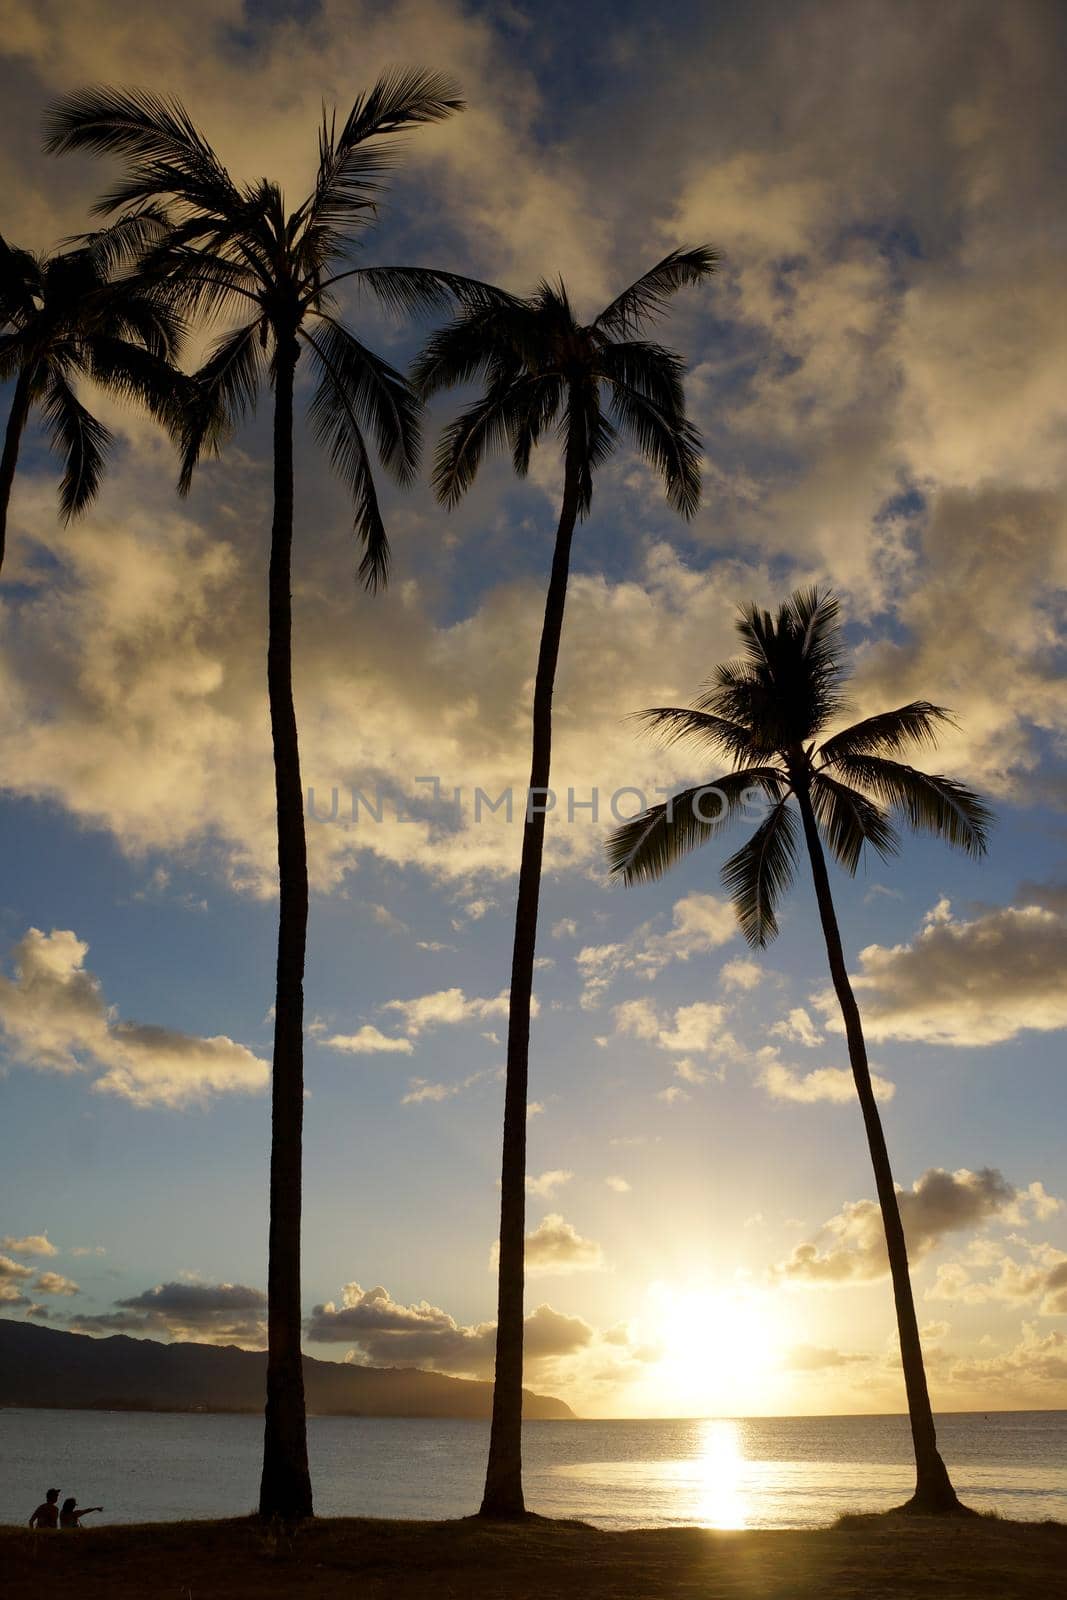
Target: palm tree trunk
<point x="933" y="1487"/>
<point x="503" y="1495"/>
<point x="16" y="422"/>
<point x="285" y="1488"/>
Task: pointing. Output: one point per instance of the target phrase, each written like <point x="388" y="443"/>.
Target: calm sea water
<point x="764" y="1473"/>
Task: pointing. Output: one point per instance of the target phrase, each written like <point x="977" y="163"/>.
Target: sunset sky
<point x="878" y="374"/>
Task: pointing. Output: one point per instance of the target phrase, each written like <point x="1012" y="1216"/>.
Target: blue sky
<point x="876" y="373"/>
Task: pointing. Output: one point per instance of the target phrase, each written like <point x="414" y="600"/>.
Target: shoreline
<point x="888" y="1555"/>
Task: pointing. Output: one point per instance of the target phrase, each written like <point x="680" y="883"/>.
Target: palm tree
<point x="219" y="248"/>
<point x="65" y="319"/>
<point x="541" y="367"/>
<point x="768" y="712"/>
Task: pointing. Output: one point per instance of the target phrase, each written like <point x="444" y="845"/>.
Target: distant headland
<point x="48" y="1368"/>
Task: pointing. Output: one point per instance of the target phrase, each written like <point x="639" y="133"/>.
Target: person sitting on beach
<point x="47" y="1513"/>
<point x="72" y="1513"/>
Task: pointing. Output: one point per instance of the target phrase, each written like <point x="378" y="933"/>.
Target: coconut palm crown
<point x="768" y="712"/>
<point x="542" y="368"/>
<point x="235" y="251"/>
<point x="65" y="320"/>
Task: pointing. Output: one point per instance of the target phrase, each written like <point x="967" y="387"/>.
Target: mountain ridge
<point x="53" y="1369"/>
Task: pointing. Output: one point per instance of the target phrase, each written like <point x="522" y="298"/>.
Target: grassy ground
<point x="870" y="1558"/>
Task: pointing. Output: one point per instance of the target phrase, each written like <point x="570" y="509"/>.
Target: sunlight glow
<point x="718" y="1347"/>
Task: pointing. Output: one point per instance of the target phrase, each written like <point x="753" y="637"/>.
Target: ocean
<point x="792" y="1472"/>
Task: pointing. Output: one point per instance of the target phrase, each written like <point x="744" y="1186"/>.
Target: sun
<point x="718" y="1348"/>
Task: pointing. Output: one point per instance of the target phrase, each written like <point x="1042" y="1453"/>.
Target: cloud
<point x="556" y="1248"/>
<point x="55" y="1283"/>
<point x="33" y="1244"/>
<point x="638" y="1018"/>
<point x="740" y="974"/>
<point x="547" y="1184"/>
<point x="850" y="1247"/>
<point x="1041" y="1278"/>
<point x="1053" y="896"/>
<point x="1038" y="1362"/>
<point x="831" y="1084"/>
<point x="422" y="1090"/>
<point x="697" y="1027"/>
<point x="447" y="1006"/>
<point x="799" y="1029"/>
<point x="383" y="1332"/>
<point x="960" y="982"/>
<point x="689" y="1072"/>
<point x="13" y="1276"/>
<point x="700" y="923"/>
<point x="672" y="1095"/>
<point x="54" y="1017"/>
<point x="212" y="1313"/>
<point x="369" y="1041"/>
<point x="618" y="1185"/>
<point x="185" y="766"/>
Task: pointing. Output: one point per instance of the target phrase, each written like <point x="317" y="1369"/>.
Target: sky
<point x="877" y="373"/>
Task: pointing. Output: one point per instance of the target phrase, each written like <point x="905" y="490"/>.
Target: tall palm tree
<point x="65" y="319"/>
<point x="542" y="368"/>
<point x="221" y="248"/>
<point x="768" y="712"/>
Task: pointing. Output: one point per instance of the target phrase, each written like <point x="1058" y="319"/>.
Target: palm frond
<point x="490" y="423"/>
<point x="367" y="388"/>
<point x="674" y="723"/>
<point x="537" y="402"/>
<point x="929" y="802"/>
<point x="138" y="375"/>
<point x="667" y="441"/>
<point x="889" y="732"/>
<point x="351" y="163"/>
<point x="758" y="875"/>
<point x="337" y="428"/>
<point x="790" y="676"/>
<point x="20" y="284"/>
<point x="416" y="290"/>
<point x="647" y="846"/>
<point x="220" y="393"/>
<point x="587" y="435"/>
<point x="137" y="315"/>
<point x="651" y="369"/>
<point x="125" y="241"/>
<point x="493" y="340"/>
<point x="82" y="441"/>
<point x="648" y="297"/>
<point x="195" y="280"/>
<point x="168" y="153"/>
<point x="849" y="820"/>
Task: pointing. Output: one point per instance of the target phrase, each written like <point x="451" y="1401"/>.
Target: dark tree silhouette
<point x="220" y="248"/>
<point x="543" y="369"/>
<point x="768" y="712"/>
<point x="65" y="319"/>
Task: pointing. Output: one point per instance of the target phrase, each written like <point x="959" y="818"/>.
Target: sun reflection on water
<point x="720" y="1472"/>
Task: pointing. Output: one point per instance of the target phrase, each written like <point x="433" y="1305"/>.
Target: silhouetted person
<point x="47" y="1513"/>
<point x="72" y="1513"/>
